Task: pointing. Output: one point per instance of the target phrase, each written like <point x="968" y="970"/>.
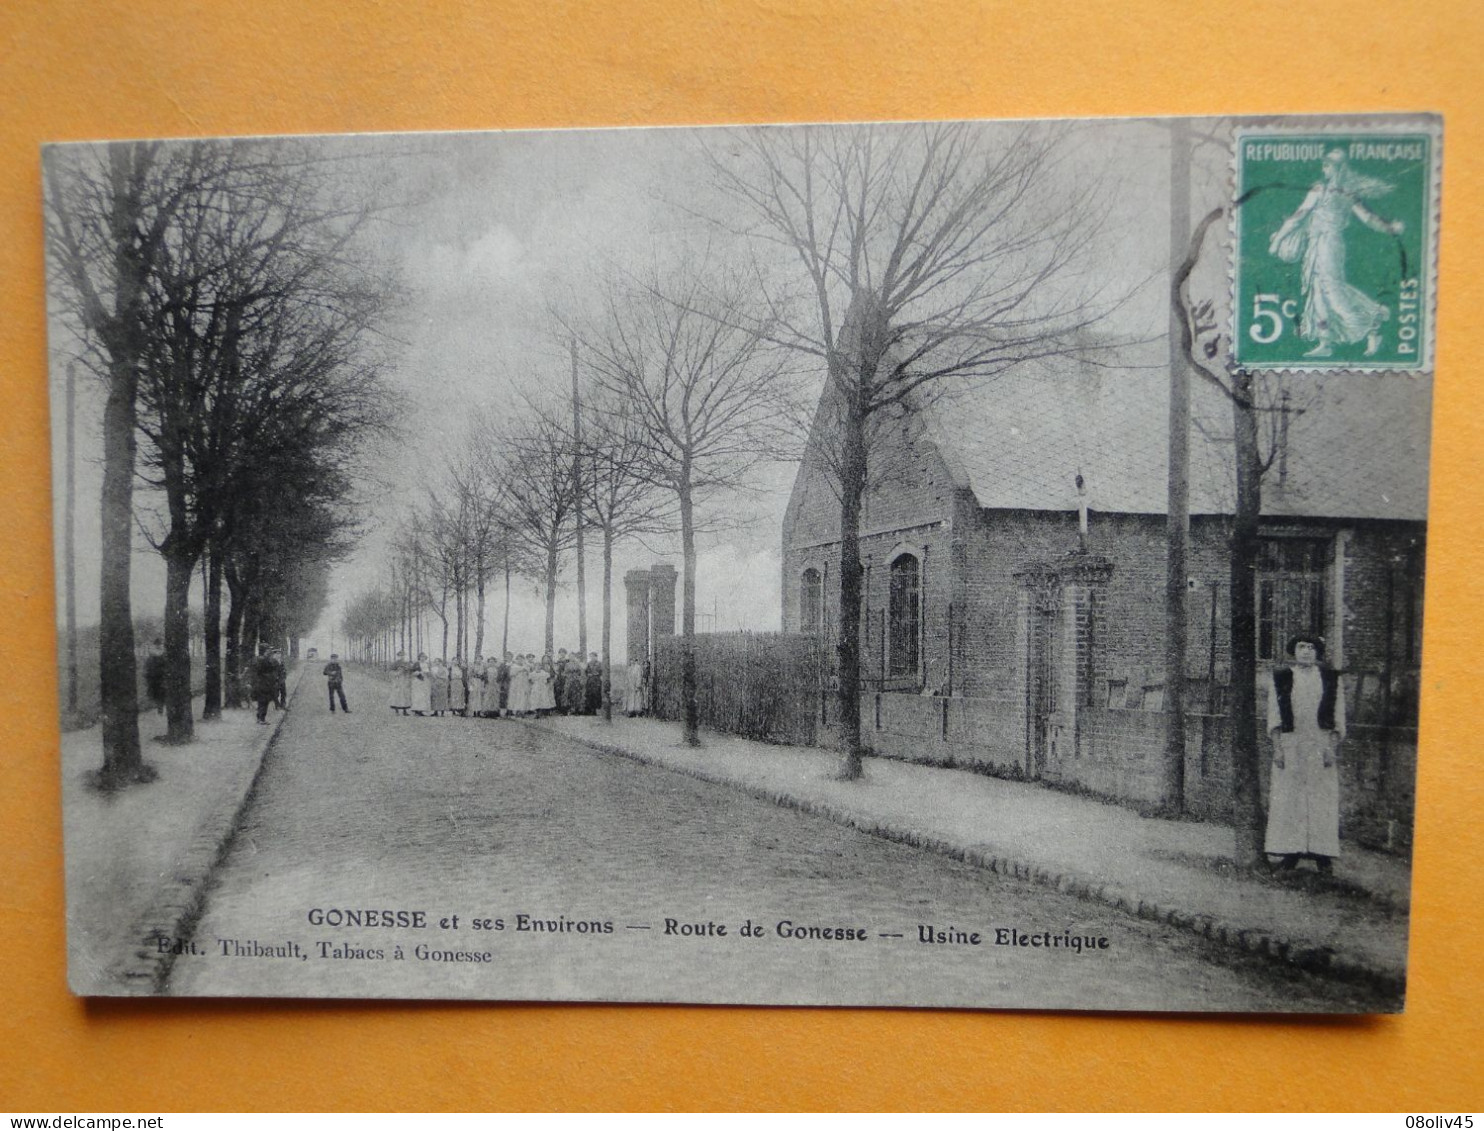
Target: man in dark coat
<point x="283" y="680"/>
<point x="502" y="683"/>
<point x="336" y="678"/>
<point x="265" y="682"/>
<point x="593" y="701"/>
<point x="154" y="675"/>
<point x="559" y="681"/>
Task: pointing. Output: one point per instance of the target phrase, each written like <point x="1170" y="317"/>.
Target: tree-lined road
<point x="495" y="820"/>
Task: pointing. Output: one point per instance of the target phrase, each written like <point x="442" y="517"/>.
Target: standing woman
<point x="518" y="702"/>
<point x="458" y="693"/>
<point x="1306" y="721"/>
<point x="592" y="701"/>
<point x="478" y="680"/>
<point x="400" y="697"/>
<point x="574" y="690"/>
<point x="543" y="702"/>
<point x="420" y="700"/>
<point x="633" y="692"/>
<point x="438" y="686"/>
<point x="502" y="686"/>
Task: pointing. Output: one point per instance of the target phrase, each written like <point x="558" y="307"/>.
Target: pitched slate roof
<point x="1358" y="444"/>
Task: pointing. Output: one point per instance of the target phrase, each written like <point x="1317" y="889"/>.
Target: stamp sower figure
<point x="1306" y="721"/>
<point x="264" y="682"/>
<point x="154" y="675"/>
<point x="336" y="678"/>
<point x="1335" y="311"/>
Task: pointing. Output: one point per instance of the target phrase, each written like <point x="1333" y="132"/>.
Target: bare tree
<point x="108" y="212"/>
<point x="259" y="316"/>
<point x="535" y="465"/>
<point x="931" y="256"/>
<point x="707" y="401"/>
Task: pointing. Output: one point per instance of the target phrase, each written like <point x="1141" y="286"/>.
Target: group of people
<point x="518" y="685"/>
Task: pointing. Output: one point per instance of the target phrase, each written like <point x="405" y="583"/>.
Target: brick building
<point x="999" y="633"/>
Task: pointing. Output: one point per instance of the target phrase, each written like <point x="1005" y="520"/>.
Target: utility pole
<point x="69" y="546"/>
<point x="1177" y="525"/>
<point x="577" y="508"/>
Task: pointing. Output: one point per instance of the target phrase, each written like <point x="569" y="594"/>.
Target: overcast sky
<point x="497" y="229"/>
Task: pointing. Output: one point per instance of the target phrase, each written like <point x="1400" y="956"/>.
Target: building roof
<point x="1357" y="443"/>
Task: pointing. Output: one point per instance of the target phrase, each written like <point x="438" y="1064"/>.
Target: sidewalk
<point x="1353" y="925"/>
<point x="138" y="860"/>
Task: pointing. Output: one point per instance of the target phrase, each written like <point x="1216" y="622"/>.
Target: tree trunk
<point x="852" y="490"/>
<point x="577" y="509"/>
<point x="551" y="580"/>
<point x="213" y="633"/>
<point x="479" y="607"/>
<point x="443" y="620"/>
<point x="1177" y="523"/>
<point x="1247" y="814"/>
<point x="180" y="727"/>
<point x="69" y="538"/>
<point x="505" y="623"/>
<point x="688" y="611"/>
<point x="118" y="669"/>
<point x="459" y="598"/>
<point x="234" y="659"/>
<point x="251" y="623"/>
<point x="607" y="622"/>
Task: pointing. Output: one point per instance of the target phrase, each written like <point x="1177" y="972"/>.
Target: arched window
<point x="811" y="598"/>
<point x="904" y="615"/>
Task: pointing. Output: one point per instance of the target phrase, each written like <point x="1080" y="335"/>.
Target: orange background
<point x="130" y="69"/>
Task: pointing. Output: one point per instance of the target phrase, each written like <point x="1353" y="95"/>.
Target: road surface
<point x="614" y="880"/>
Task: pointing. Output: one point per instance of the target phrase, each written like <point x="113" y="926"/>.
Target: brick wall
<point x="1111" y="655"/>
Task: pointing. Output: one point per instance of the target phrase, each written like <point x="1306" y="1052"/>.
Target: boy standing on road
<point x="336" y="676"/>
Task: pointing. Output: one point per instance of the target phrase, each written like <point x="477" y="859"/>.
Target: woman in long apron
<point x="399" y="699"/>
<point x="543" y="702"/>
<point x="633" y="692"/>
<point x="438" y="687"/>
<point x="1306" y="721"/>
<point x="420" y="699"/>
<point x="478" y="677"/>
<point x="519" y="700"/>
<point x="457" y="692"/>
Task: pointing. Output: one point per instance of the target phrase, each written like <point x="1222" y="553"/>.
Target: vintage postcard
<point x="971" y="564"/>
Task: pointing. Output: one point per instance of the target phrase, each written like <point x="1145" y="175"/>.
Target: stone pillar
<point x="662" y="599"/>
<point x="636" y="581"/>
<point x="1084" y="577"/>
<point x="1040" y="590"/>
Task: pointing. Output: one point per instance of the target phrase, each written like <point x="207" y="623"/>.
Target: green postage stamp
<point x="1335" y="245"/>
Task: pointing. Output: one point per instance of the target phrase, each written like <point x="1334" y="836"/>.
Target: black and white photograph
<point x="946" y="564"/>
